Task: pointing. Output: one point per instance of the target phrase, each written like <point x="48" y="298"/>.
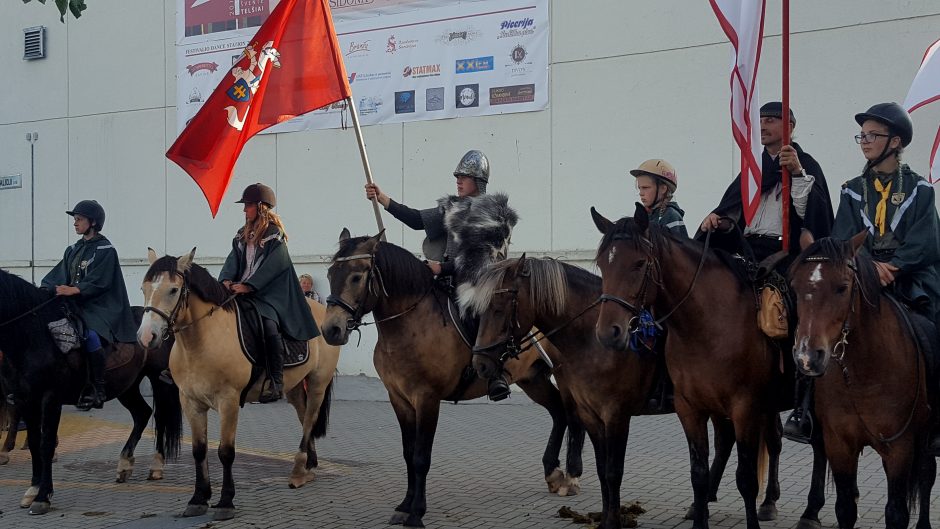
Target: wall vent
<point x="34" y="43"/>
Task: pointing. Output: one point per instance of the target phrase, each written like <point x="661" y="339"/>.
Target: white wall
<point x="629" y="81"/>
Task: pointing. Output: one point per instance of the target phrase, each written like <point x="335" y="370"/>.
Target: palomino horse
<point x="42" y="380"/>
<point x="422" y="359"/>
<point x="720" y="362"/>
<point x="878" y="397"/>
<point x="206" y="340"/>
<point x="605" y="386"/>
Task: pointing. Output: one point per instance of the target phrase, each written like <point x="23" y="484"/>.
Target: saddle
<point x="117" y="355"/>
<point x="251" y="337"/>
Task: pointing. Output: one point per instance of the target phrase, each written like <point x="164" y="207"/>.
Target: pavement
<point x="485" y="473"/>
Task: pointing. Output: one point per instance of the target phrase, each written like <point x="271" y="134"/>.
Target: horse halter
<point x="358" y="311"/>
<point x="838" y="350"/>
<point x="170" y="318"/>
<point x="512" y="348"/>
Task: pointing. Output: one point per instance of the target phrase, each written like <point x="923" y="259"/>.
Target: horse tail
<point x="323" y="417"/>
<point x="763" y="461"/>
<point x="167" y="417"/>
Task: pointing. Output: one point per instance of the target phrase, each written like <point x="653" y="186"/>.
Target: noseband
<point x="358" y="311"/>
<point x="170" y="318"/>
<point x="512" y="349"/>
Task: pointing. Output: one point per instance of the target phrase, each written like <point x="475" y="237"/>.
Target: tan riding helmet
<point x="661" y="170"/>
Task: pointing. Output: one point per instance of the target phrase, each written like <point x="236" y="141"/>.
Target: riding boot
<point x="498" y="387"/>
<point x="799" y="425"/>
<point x="274" y="346"/>
<point x="97" y="396"/>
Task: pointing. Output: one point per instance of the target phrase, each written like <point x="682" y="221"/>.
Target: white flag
<point x="924" y="90"/>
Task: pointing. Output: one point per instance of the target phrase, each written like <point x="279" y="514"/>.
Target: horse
<point x="606" y="387"/>
<point x="422" y="360"/>
<point x="721" y="364"/>
<point x="206" y="340"/>
<point x="42" y="380"/>
<point x="878" y="395"/>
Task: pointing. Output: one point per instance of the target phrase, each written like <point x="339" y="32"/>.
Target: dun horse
<point x="42" y="380"/>
<point x="878" y="395"/>
<point x="720" y="362"/>
<point x="422" y="359"/>
<point x="211" y="371"/>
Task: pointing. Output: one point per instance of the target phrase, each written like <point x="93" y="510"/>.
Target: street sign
<point x="12" y="181"/>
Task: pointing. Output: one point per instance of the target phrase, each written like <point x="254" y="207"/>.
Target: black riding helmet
<point x="91" y="210"/>
<point x="258" y="193"/>
<point x="894" y="116"/>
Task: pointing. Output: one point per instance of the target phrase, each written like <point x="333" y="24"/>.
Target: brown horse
<point x="212" y="372"/>
<point x="422" y="359"/>
<point x="719" y="361"/>
<point x="878" y="397"/>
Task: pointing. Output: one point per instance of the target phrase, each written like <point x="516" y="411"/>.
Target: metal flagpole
<point x="365" y="162"/>
<point x="785" y="116"/>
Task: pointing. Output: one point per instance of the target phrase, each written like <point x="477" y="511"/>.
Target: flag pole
<point x="365" y="162"/>
<point x="785" y="116"/>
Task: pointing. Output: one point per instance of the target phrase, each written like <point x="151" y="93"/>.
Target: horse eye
<point x="842" y="289"/>
<point x="639" y="264"/>
<point x="174" y="290"/>
<point x="356" y="278"/>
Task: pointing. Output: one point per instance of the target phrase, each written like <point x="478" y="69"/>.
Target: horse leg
<point x="598" y="439"/>
<point x="747" y="436"/>
<point x="898" y="466"/>
<point x="695" y="426"/>
<point x="817" y="494"/>
<point x="168" y="423"/>
<point x="196" y="413"/>
<point x="134" y="402"/>
<point x="51" y="414"/>
<point x="426" y="414"/>
<point x="724" y="443"/>
<point x="928" y="475"/>
<point x="541" y="390"/>
<point x="844" y="463"/>
<point x="407" y="422"/>
<point x="617" y="433"/>
<point x="33" y="437"/>
<point x="574" y="462"/>
<point x="773" y="439"/>
<point x="10" y="442"/>
<point x="228" y="424"/>
<point x="317" y="403"/>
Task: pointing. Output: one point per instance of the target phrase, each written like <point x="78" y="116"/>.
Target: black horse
<point x="42" y="380"/>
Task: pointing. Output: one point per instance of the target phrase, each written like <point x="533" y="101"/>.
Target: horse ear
<point x="344" y="235"/>
<point x="858" y="240"/>
<point x="369" y="245"/>
<point x="641" y="217"/>
<point x="806" y="239"/>
<point x="603" y="224"/>
<point x="151" y="255"/>
<point x="520" y="264"/>
<point x="185" y="262"/>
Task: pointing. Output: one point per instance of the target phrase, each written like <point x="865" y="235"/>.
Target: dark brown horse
<point x="422" y="359"/>
<point x="719" y="361"/>
<point x="878" y="395"/>
<point x="42" y="380"/>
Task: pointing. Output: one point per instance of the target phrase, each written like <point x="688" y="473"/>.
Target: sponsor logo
<point x="373" y="76"/>
<point x="519" y="62"/>
<point x="370" y="105"/>
<point x="195" y="96"/>
<point x="507" y="95"/>
<point x="352" y="77"/>
<point x="340" y="4"/>
<point x="516" y="28"/>
<point x="424" y="70"/>
<point x="467" y="95"/>
<point x="208" y="66"/>
<point x="333" y="108"/>
<point x="478" y="64"/>
<point x="434" y="99"/>
<point x="458" y="36"/>
<point x="405" y="102"/>
<point x="358" y="49"/>
<point x="393" y="45"/>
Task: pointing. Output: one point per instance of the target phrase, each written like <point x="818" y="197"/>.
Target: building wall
<point x="629" y="81"/>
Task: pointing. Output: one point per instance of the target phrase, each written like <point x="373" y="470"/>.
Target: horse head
<point x="354" y="286"/>
<point x="269" y="54"/>
<point x="628" y="266"/>
<point x="827" y="279"/>
<point x="164" y="289"/>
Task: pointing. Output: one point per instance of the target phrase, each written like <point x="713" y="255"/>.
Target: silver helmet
<point x="475" y="165"/>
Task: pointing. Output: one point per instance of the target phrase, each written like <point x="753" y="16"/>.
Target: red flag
<point x="925" y="89"/>
<point x="292" y="65"/>
<point x="743" y="23"/>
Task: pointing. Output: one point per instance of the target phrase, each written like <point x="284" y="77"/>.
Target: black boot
<point x="95" y="397"/>
<point x="498" y="388"/>
<point x="799" y="425"/>
<point x="274" y="346"/>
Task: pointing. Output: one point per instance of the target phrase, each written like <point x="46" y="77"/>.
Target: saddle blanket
<point x="251" y="337"/>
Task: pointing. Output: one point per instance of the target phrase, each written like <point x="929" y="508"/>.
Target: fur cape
<point x="480" y="228"/>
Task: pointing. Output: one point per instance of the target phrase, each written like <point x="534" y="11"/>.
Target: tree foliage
<point x="75" y="6"/>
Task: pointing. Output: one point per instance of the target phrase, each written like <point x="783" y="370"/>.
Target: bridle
<point x="181" y="301"/>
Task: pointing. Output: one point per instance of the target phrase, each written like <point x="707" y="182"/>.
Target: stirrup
<point x="271" y="393"/>
<point x="799" y="426"/>
<point x="89" y="400"/>
<point x="498" y="389"/>
<point x="166" y="377"/>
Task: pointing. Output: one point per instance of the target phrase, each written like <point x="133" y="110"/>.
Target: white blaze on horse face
<point x="146" y="332"/>
<point x="816" y="276"/>
<point x="612" y="254"/>
<point x="802" y="357"/>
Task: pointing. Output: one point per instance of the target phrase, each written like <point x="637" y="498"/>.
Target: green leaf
<point x="76" y="7"/>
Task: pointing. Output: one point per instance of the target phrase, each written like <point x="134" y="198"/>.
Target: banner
<point x="446" y="61"/>
<point x="925" y="89"/>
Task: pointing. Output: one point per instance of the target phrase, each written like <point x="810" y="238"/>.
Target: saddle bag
<point x="64" y="334"/>
<point x="772" y="313"/>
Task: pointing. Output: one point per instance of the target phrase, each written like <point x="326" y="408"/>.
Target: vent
<point x="34" y="43"/>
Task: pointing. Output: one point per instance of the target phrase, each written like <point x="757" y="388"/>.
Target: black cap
<point x="91" y="210"/>
<point x="774" y="109"/>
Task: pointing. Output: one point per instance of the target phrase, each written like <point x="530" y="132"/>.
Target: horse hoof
<point x="123" y="476"/>
<point x="297" y="482"/>
<point x="4" y="458"/>
<point x="414" y="521"/>
<point x="155" y="475"/>
<point x="28" y="498"/>
<point x="398" y="518"/>
<point x="40" y="507"/>
<point x="223" y="513"/>
<point x="806" y="523"/>
<point x="555" y="480"/>
<point x="689" y="513"/>
<point x="572" y="487"/>
<point x="195" y="510"/>
<point x="766" y="513"/>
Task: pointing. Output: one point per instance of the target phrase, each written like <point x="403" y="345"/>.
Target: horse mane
<point x="198" y="278"/>
<point x="20" y="296"/>
<point x="401" y="272"/>
<point x="660" y="236"/>
<point x="548" y="285"/>
<point x="14" y="288"/>
<point x="838" y="251"/>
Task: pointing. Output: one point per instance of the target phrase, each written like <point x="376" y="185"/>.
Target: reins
<point x="31" y="311"/>
<point x="171" y="328"/>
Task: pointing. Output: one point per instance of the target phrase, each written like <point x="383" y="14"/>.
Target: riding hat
<point x="91" y="210"/>
<point x="894" y="116"/>
<point x="661" y="171"/>
<point x="258" y="193"/>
